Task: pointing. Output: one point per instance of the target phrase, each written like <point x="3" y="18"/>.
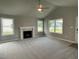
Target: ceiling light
<point x="40" y="6"/>
<point x="39" y="9"/>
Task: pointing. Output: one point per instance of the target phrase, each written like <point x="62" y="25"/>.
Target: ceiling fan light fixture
<point x="40" y="9"/>
<point x="40" y="6"/>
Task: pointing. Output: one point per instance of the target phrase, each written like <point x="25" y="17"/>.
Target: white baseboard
<point x="64" y="40"/>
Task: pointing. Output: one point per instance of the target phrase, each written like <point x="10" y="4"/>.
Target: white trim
<point x="31" y="28"/>
<point x="64" y="40"/>
<point x="2" y="26"/>
<point x="76" y="30"/>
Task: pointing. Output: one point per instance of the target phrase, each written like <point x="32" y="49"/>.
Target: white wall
<point x="69" y="15"/>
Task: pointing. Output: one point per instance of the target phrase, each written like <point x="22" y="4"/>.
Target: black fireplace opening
<point x="27" y="34"/>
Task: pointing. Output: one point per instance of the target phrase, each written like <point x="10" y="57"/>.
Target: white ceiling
<point x="28" y="7"/>
<point x="63" y="2"/>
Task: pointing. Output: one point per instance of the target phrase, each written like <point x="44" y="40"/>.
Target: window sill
<point x="55" y="33"/>
<point x="7" y="35"/>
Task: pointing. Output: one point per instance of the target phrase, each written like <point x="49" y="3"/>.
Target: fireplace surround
<point x="27" y="32"/>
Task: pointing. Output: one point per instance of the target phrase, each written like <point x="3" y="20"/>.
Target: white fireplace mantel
<point x="30" y="28"/>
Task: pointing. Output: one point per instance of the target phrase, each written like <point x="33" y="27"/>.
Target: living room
<point x="38" y="25"/>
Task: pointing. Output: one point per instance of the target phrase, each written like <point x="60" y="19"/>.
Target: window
<point x="7" y="26"/>
<point x="56" y="26"/>
<point x="51" y="25"/>
<point x="40" y="25"/>
<point x="59" y="25"/>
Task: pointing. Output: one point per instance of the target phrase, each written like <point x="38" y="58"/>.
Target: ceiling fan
<point x="40" y="6"/>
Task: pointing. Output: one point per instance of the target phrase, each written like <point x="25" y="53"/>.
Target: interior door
<point x="76" y="30"/>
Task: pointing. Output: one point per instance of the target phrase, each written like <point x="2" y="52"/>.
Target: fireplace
<point x="27" y="32"/>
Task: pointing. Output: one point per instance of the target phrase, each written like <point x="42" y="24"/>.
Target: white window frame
<point x="2" y="26"/>
<point x="55" y="26"/>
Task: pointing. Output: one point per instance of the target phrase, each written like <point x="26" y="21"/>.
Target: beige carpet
<point x="38" y="48"/>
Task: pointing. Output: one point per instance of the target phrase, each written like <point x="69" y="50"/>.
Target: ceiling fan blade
<point x="45" y="8"/>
